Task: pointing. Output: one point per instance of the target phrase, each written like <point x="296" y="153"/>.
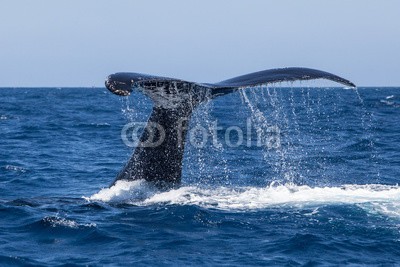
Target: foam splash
<point x="123" y="191"/>
<point x="391" y="100"/>
<point x="375" y="198"/>
<point x="58" y="221"/>
<point x="14" y="168"/>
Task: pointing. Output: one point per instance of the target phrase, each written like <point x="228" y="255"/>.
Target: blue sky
<point x="78" y="43"/>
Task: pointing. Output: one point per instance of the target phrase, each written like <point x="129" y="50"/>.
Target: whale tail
<point x="174" y="100"/>
<point x="170" y="92"/>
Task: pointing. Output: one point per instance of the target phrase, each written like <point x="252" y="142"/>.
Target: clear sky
<point x="80" y="42"/>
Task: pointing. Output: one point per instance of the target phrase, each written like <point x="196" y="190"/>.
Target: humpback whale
<point x="174" y="102"/>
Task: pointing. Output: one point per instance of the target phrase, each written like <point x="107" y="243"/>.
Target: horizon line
<point x="93" y="86"/>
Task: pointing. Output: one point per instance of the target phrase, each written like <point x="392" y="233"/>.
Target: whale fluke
<point x="282" y="75"/>
<point x="174" y="102"/>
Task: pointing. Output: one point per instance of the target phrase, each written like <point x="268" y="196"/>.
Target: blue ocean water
<point x="323" y="190"/>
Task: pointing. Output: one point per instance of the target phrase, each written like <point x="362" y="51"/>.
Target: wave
<point x="375" y="198"/>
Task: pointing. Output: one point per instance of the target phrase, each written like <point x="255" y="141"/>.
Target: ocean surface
<point x="320" y="188"/>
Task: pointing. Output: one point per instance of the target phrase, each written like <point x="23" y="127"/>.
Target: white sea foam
<point x="14" y="168"/>
<point x="58" y="221"/>
<point x="374" y="198"/>
<point x="124" y="191"/>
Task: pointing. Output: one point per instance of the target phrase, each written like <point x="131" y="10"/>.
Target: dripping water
<point x="204" y="149"/>
<point x="367" y="135"/>
<point x="128" y="109"/>
<point x="297" y="127"/>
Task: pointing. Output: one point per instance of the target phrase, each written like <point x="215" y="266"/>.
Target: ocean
<point x="274" y="176"/>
